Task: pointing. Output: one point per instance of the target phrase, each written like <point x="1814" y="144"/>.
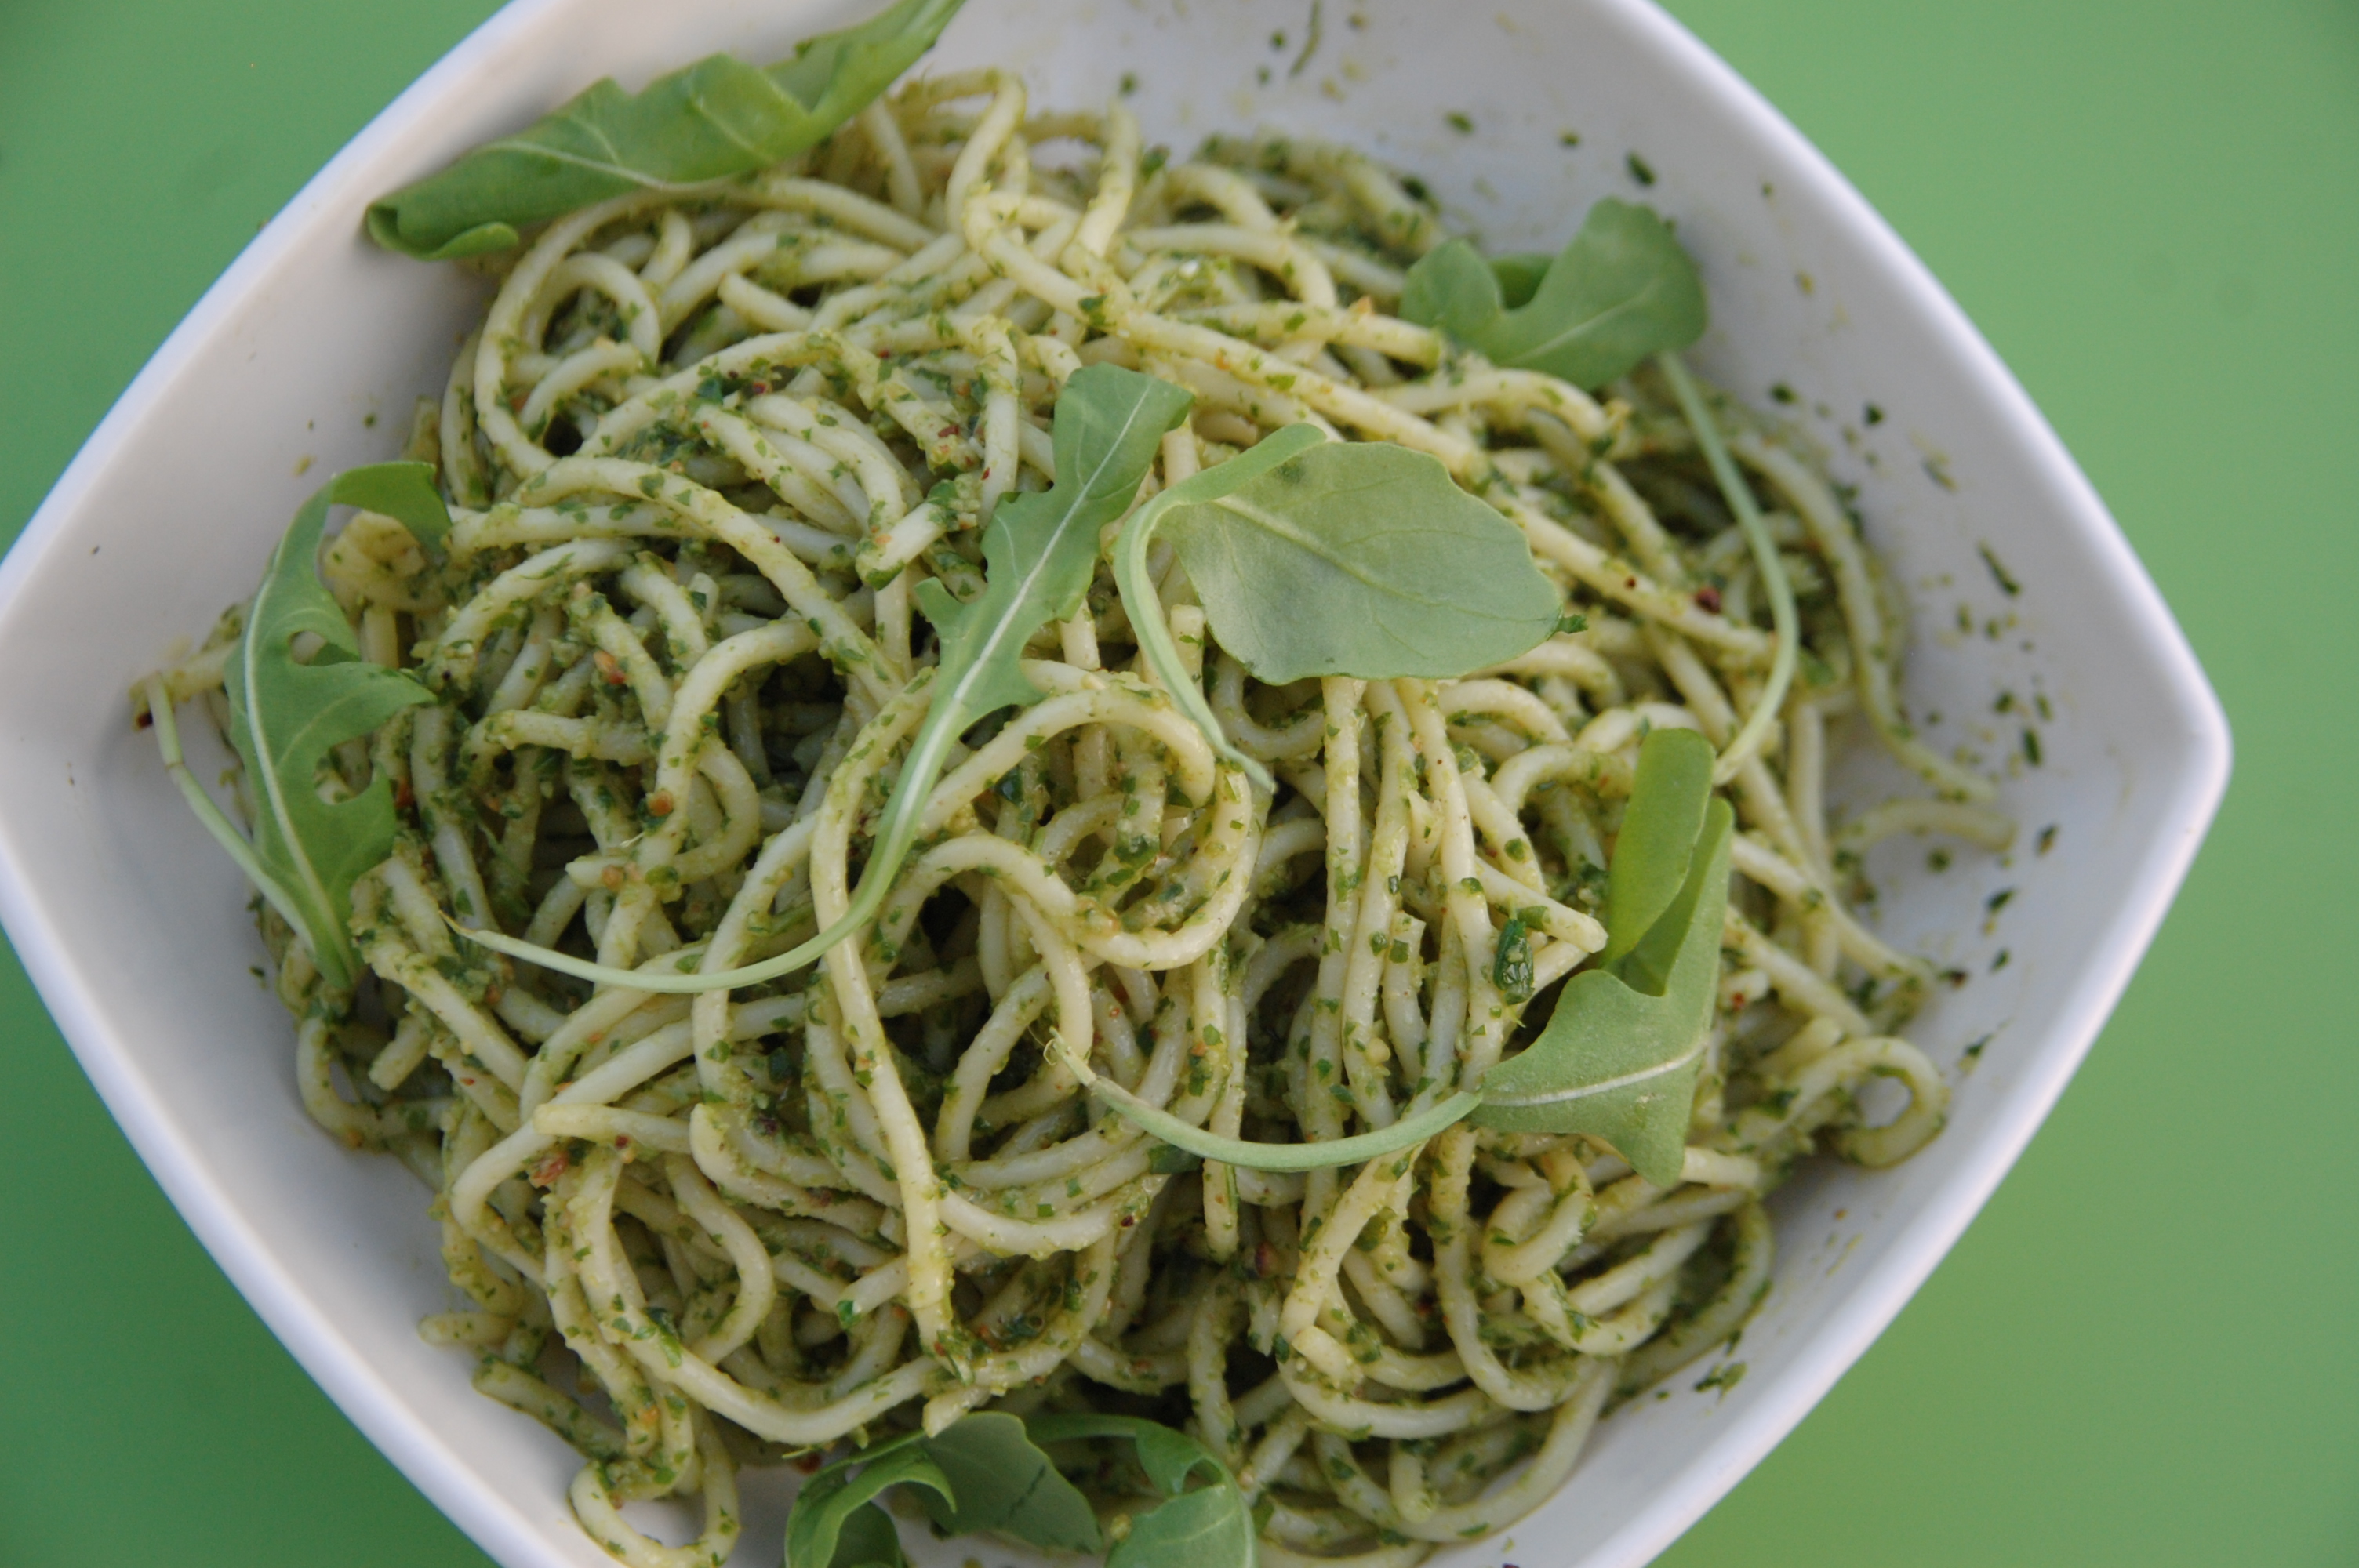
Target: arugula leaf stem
<point x="1253" y="1156"/>
<point x="216" y="820"/>
<point x="1782" y="617"/>
<point x="897" y="831"/>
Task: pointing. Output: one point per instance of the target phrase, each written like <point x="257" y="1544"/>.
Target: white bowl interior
<point x="129" y="919"/>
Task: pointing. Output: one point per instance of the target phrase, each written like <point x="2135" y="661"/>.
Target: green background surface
<point x="2140" y="1354"/>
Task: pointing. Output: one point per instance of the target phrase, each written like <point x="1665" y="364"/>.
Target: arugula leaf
<point x="1007" y="1484"/>
<point x="1659" y="826"/>
<point x="1621" y="290"/>
<point x="868" y="1539"/>
<point x="1195" y="1530"/>
<point x="1039" y="551"/>
<point x="1519" y="276"/>
<point x="286" y="715"/>
<point x="1211" y="1527"/>
<point x="708" y="121"/>
<point x="1619" y="1058"/>
<point x="835" y="1523"/>
<point x="1316" y="558"/>
<point x="987" y="1472"/>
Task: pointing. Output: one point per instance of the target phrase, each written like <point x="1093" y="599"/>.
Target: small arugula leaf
<point x="1005" y="1483"/>
<point x="1621" y="290"/>
<point x="1039" y="550"/>
<point x="286" y="715"/>
<point x="1453" y="289"/>
<point x="831" y="1524"/>
<point x="1211" y="1527"/>
<point x="1620" y="1056"/>
<point x="710" y="119"/>
<point x="1316" y="558"/>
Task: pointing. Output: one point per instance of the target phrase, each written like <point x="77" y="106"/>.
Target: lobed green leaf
<point x="286" y="715"/>
<point x="1621" y="289"/>
<point x="986" y="1471"/>
<point x="1620" y="1056"/>
<point x="716" y="118"/>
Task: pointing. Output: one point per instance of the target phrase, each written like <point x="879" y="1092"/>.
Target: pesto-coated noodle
<point x="697" y="456"/>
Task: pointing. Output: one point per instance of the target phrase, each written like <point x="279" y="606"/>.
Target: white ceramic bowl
<point x="129" y="919"/>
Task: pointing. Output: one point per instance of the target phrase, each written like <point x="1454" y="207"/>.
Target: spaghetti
<point x="699" y="454"/>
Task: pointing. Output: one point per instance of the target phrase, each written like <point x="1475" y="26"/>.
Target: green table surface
<point x="2139" y="1354"/>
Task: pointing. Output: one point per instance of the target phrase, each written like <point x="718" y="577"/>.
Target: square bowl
<point x="125" y="913"/>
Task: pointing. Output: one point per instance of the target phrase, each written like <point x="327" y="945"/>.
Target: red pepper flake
<point x="806" y="1463"/>
<point x="947" y="431"/>
<point x="548" y="1167"/>
<point x="1708" y="599"/>
<point x="611" y="879"/>
<point x="142" y="720"/>
<point x="622" y="1141"/>
<point x="1630" y="583"/>
<point x="404" y="797"/>
<point x="610" y="669"/>
<point x="659" y="803"/>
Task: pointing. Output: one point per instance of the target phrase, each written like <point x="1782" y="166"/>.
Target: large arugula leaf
<point x="1620" y="1056"/>
<point x="1621" y="290"/>
<point x="1039" y="551"/>
<point x="1316" y="558"/>
<point x="287" y="714"/>
<point x="708" y="121"/>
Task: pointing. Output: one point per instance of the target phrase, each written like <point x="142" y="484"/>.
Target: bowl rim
<point x="502" y="1527"/>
